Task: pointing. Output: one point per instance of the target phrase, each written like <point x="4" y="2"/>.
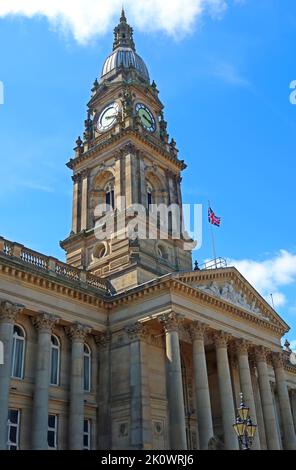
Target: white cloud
<point x="270" y="275"/>
<point x="229" y="74"/>
<point x="87" y="18"/>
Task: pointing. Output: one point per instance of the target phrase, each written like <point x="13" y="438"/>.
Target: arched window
<point x="55" y="361"/>
<point x="109" y="194"/>
<point x="87" y="368"/>
<point x="18" y="352"/>
<point x="149" y="194"/>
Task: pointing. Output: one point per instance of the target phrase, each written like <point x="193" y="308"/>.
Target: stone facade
<point x="124" y="346"/>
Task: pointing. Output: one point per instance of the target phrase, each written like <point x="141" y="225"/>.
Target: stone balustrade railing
<point x="51" y="265"/>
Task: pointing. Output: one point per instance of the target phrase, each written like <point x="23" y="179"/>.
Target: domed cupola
<point x="124" y="54"/>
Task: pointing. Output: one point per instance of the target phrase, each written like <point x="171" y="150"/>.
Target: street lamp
<point x="244" y="428"/>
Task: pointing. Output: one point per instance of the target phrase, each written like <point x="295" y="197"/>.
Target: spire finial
<point x="123" y="17"/>
<point x="123" y="33"/>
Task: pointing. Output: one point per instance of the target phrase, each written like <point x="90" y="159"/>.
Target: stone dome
<point x="124" y="52"/>
<point x="125" y="57"/>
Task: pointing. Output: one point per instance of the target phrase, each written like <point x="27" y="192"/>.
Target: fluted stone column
<point x="246" y="384"/>
<point x="177" y="424"/>
<point x="78" y="334"/>
<point x="8" y="315"/>
<point x="104" y="391"/>
<point x="272" y="436"/>
<point x="202" y="393"/>
<point x="44" y="323"/>
<point x="284" y="402"/>
<point x="141" y="432"/>
<point x="225" y="389"/>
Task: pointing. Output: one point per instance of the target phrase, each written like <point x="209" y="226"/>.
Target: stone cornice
<point x="92" y="296"/>
<point x="89" y="154"/>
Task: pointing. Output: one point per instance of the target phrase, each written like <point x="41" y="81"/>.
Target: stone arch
<point x="157" y="184"/>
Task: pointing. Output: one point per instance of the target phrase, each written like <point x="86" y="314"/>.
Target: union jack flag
<point x="213" y="219"/>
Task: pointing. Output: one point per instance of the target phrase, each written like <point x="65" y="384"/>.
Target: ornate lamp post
<point x="244" y="428"/>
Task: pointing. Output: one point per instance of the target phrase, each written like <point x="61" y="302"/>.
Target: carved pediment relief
<point x="228" y="292"/>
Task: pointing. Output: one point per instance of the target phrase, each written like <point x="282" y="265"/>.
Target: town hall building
<point x="125" y="346"/>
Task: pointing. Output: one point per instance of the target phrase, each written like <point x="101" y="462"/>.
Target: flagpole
<point x="213" y="240"/>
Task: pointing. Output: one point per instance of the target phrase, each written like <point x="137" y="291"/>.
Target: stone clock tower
<point x="125" y="158"/>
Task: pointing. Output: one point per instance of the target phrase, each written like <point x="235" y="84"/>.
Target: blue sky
<point x="223" y="75"/>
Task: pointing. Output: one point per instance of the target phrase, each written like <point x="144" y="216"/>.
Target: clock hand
<point x="148" y="120"/>
<point x="110" y="117"/>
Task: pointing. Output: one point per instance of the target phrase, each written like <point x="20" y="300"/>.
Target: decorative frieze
<point x="45" y="322"/>
<point x="9" y="311"/>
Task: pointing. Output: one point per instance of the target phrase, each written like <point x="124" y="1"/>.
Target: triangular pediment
<point x="228" y="285"/>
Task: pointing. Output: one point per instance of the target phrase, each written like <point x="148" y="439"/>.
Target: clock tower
<point x="126" y="162"/>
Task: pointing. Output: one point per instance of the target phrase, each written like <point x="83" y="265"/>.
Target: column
<point x="246" y="384"/>
<point x="272" y="436"/>
<point x="177" y="425"/>
<point x="225" y="388"/>
<point x="141" y="433"/>
<point x="75" y="179"/>
<point x="84" y="199"/>
<point x="77" y="333"/>
<point x="258" y="406"/>
<point x="44" y="323"/>
<point x="293" y="406"/>
<point x="202" y="393"/>
<point x="8" y="315"/>
<point x="104" y="392"/>
<point x="284" y="402"/>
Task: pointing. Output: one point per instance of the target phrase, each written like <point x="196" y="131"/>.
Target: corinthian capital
<point x="78" y="332"/>
<point x="171" y="321"/>
<point x="241" y="346"/>
<point x="197" y="330"/>
<point x="9" y="311"/>
<point x="45" y="322"/>
<point x="278" y="360"/>
<point x="103" y="340"/>
<point x="261" y="354"/>
<point x="137" y="331"/>
<point x="221" y="339"/>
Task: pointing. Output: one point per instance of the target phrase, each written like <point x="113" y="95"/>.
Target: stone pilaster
<point x="44" y="323"/>
<point x="75" y="179"/>
<point x="84" y="199"/>
<point x="272" y="436"/>
<point x="202" y="393"/>
<point x="77" y="333"/>
<point x="141" y="433"/>
<point x="242" y="347"/>
<point x="284" y="402"/>
<point x="8" y="316"/>
<point x="104" y="391"/>
<point x="225" y="388"/>
<point x="177" y="425"/>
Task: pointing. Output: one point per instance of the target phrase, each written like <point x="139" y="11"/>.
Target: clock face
<point x="146" y="117"/>
<point x="107" y="117"/>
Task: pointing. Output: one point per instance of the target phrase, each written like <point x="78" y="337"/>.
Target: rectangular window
<point x="52" y="431"/>
<point x="86" y="434"/>
<point x="87" y="365"/>
<point x="13" y="426"/>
